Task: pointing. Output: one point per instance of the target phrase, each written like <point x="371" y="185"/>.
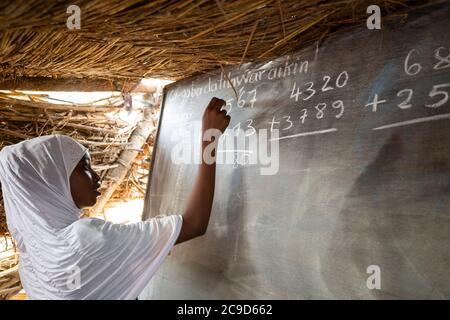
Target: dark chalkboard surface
<point x="363" y="183"/>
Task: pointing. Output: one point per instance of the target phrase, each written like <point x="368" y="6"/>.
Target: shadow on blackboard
<point x="394" y="217"/>
<point x="235" y="245"/>
<point x="216" y="271"/>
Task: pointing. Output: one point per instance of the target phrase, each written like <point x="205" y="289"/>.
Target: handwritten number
<point x="229" y="105"/>
<point x="320" y="110"/>
<point x="434" y="92"/>
<point x="345" y="76"/>
<point x="241" y="102"/>
<point x="304" y="115"/>
<point x="338" y="104"/>
<point x="249" y="126"/>
<point x="324" y="87"/>
<point x="444" y="62"/>
<point x="295" y="92"/>
<point x="252" y="101"/>
<point x="288" y="119"/>
<point x="310" y="89"/>
<point x="405" y="104"/>
<point x="413" y="69"/>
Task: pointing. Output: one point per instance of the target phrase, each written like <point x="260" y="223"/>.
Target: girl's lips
<point x="97" y="192"/>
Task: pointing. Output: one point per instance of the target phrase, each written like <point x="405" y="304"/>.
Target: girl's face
<point x="84" y="183"/>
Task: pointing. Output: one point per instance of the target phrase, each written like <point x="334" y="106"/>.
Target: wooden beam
<point x="72" y="84"/>
<point x="116" y="175"/>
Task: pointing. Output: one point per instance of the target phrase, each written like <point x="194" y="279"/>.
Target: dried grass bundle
<point x="9" y="276"/>
<point x="168" y="39"/>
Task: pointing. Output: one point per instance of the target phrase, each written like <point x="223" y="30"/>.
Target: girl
<point x="46" y="181"/>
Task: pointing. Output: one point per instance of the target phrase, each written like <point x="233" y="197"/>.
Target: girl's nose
<point x="96" y="176"/>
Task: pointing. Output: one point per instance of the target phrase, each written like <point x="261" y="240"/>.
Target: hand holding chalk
<point x="214" y="117"/>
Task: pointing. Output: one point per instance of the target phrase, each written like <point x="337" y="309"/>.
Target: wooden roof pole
<point x="137" y="140"/>
<point x="74" y="84"/>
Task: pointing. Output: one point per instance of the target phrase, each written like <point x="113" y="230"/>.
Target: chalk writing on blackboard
<point x="438" y="94"/>
<point x="304" y="94"/>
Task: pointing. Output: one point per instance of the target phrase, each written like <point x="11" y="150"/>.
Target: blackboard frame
<point x="145" y="212"/>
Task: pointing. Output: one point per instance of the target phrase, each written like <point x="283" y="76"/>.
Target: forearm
<point x="198" y="209"/>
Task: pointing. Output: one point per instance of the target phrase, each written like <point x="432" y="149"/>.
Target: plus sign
<point x="375" y="103"/>
<point x="272" y="123"/>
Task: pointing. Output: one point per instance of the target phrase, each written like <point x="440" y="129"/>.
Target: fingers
<point x="216" y="103"/>
<point x="214" y="117"/>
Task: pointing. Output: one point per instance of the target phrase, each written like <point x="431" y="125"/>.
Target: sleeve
<point x="125" y="256"/>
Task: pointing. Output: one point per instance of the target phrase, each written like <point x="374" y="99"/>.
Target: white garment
<point x="57" y="248"/>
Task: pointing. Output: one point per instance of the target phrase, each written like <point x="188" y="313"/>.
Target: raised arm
<point x="198" y="209"/>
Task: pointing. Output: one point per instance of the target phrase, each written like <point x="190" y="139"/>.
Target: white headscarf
<point x="63" y="256"/>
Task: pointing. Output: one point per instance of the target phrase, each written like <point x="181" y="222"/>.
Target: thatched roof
<point x="167" y="39"/>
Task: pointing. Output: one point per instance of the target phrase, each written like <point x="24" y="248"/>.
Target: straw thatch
<point x="167" y="39"/>
<point x="9" y="276"/>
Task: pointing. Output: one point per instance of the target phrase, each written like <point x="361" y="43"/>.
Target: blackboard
<point x="359" y="187"/>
